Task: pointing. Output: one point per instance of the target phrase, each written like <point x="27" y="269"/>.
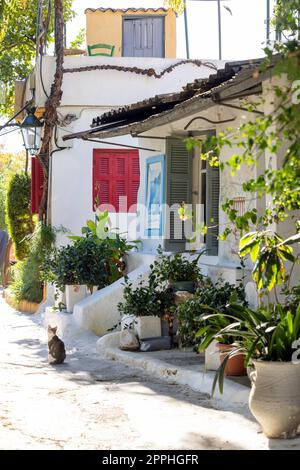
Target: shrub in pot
<point x="111" y="241"/>
<point x="180" y="272"/>
<point x="147" y="303"/>
<point x="268" y="338"/>
<point x="61" y="268"/>
<point x="209" y="294"/>
<point x="72" y="267"/>
<point x="209" y="332"/>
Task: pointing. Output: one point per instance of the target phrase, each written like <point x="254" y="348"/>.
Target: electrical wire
<point x="9" y="132"/>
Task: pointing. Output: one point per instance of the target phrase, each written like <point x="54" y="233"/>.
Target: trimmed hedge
<point x="27" y="274"/>
<point x="18" y="214"/>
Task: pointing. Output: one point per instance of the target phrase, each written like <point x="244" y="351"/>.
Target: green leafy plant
<point x="146" y="299"/>
<point x="28" y="274"/>
<point x="269" y="252"/>
<point x="116" y="246"/>
<point x="268" y="334"/>
<point x="176" y="267"/>
<point x="84" y="262"/>
<point x="208" y="295"/>
<point x="18" y="20"/>
<point x="18" y="216"/>
<point x="79" y="40"/>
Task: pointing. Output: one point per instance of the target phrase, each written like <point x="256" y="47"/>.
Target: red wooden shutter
<point x="121" y="182"/>
<point x="37" y="183"/>
<point x="134" y="180"/>
<point x="102" y="178"/>
<point x="115" y="175"/>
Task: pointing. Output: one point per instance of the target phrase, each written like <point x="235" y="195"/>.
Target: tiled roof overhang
<point x="228" y="83"/>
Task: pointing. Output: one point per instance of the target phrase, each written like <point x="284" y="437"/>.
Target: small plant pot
<point x="74" y="294"/>
<point x="147" y="327"/>
<point x="235" y="365"/>
<point x="187" y="286"/>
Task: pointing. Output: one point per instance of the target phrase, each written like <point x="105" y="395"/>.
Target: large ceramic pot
<point x="235" y="365"/>
<point x="275" y="397"/>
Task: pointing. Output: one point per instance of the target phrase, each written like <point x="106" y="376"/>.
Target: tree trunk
<point x="52" y="103"/>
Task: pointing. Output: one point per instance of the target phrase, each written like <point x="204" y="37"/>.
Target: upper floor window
<point x="116" y="179"/>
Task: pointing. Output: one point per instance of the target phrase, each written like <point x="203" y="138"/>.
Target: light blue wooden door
<point x="144" y="37"/>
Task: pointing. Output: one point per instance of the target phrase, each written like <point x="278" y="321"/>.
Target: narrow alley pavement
<point x="92" y="403"/>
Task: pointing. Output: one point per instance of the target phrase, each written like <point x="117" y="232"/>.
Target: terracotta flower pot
<point x="235" y="365"/>
<point x="275" y="397"/>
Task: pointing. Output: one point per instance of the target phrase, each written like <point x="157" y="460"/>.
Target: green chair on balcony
<point x="110" y="50"/>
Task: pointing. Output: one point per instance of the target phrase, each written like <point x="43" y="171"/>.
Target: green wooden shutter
<point x="212" y="209"/>
<point x="178" y="189"/>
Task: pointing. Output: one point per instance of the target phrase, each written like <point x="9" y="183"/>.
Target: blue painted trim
<point x="161" y="159"/>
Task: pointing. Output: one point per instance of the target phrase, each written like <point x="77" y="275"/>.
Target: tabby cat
<point x="56" y="347"/>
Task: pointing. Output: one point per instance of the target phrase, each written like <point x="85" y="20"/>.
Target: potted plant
<point x="111" y="241"/>
<point x="62" y="268"/>
<point x="210" y="333"/>
<point x="181" y="273"/>
<point x="269" y="338"/>
<point x="144" y="303"/>
<point x="190" y="315"/>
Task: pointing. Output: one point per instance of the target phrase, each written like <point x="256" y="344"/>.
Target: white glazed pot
<point x="74" y="294"/>
<point x="275" y="397"/>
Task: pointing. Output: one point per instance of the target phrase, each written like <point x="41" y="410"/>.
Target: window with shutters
<point x="201" y="189"/>
<point x="37" y="182"/>
<point x="178" y="190"/>
<point x="116" y="179"/>
<point x="144" y="36"/>
<point x="209" y="199"/>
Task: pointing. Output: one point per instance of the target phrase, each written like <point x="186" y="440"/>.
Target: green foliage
<point x="9" y="164"/>
<point x="268" y="334"/>
<point x="79" y="41"/>
<point x="208" y="295"/>
<point x="18" y="25"/>
<point x="176" y="267"/>
<point x="18" y="215"/>
<point x="2" y="203"/>
<point x="277" y="135"/>
<point x="117" y="246"/>
<point x="84" y="262"/>
<point x="269" y="252"/>
<point x="27" y="275"/>
<point x="146" y="299"/>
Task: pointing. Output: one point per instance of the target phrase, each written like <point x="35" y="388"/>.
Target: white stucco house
<point x="120" y="144"/>
<point x="160" y="126"/>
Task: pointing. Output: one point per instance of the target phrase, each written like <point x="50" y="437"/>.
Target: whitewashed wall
<point x="110" y="88"/>
<point x="87" y="95"/>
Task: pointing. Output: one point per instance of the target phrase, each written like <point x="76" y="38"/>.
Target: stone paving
<point x="92" y="403"/>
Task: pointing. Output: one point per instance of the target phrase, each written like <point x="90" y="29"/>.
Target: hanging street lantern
<point x="31" y="128"/>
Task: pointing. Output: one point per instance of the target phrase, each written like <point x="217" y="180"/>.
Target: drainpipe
<point x="186" y="31"/>
<point x="220" y="30"/>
